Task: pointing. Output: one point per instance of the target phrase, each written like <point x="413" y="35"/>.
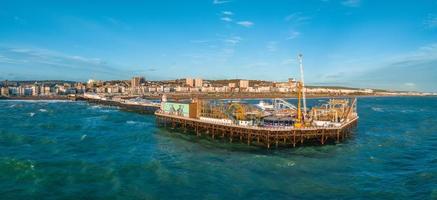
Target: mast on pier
<point x="300" y="57"/>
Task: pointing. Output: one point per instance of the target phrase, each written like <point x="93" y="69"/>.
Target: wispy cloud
<point x="431" y="21"/>
<point x="409" y="71"/>
<point x="258" y="64"/>
<point x="423" y="54"/>
<point x="351" y="3"/>
<point x="227" y="49"/>
<point x="220" y="1"/>
<point x="7" y="60"/>
<point x="272" y="46"/>
<point x="293" y="35"/>
<point x="228" y="13"/>
<point x="226" y="19"/>
<point x="233" y="40"/>
<point x="44" y="62"/>
<point x="410" y="84"/>
<point x="288" y="61"/>
<point x="297" y="18"/>
<point x="246" y="24"/>
<point x="199" y="41"/>
<point x="19" y="20"/>
<point x="117" y="23"/>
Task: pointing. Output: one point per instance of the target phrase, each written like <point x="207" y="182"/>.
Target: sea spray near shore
<point x="120" y="154"/>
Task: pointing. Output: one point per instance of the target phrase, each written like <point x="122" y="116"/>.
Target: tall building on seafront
<point x="137" y="81"/>
<point x="198" y="82"/>
<point x="244" y="83"/>
<point x="189" y="82"/>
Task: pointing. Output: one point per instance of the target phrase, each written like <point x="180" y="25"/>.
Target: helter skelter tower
<point x="301" y="97"/>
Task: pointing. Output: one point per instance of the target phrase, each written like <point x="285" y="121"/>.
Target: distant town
<point x="179" y="88"/>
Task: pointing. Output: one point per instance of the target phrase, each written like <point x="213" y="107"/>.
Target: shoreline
<point x="215" y="97"/>
<point x="270" y="96"/>
<point x="35" y="98"/>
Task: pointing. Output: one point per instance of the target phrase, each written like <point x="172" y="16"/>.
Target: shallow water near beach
<point x="76" y="150"/>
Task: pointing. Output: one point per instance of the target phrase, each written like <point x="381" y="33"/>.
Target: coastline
<point x="270" y="96"/>
<point x="217" y="96"/>
<point x="35" y="98"/>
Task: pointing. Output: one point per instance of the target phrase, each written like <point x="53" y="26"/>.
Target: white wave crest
<point x="83" y="137"/>
<point x="377" y="109"/>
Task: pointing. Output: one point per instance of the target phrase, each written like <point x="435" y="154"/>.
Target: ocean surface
<point x="76" y="150"/>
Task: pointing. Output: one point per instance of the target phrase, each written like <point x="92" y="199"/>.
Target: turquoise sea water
<point x="74" y="150"/>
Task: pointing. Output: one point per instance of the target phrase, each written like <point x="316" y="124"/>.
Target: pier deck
<point x="140" y="108"/>
<point x="261" y="136"/>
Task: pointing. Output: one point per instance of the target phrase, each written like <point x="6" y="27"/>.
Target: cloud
<point x="411" y="71"/>
<point x="233" y="40"/>
<point x="34" y="63"/>
<point x="261" y="64"/>
<point x="226" y="16"/>
<point x="227" y="48"/>
<point x="297" y="18"/>
<point x="351" y="3"/>
<point x="19" y="20"/>
<point x="226" y="19"/>
<point x="293" y="35"/>
<point x="246" y="24"/>
<point x="117" y="23"/>
<point x="409" y="84"/>
<point x="272" y="46"/>
<point x="200" y="41"/>
<point x="220" y="2"/>
<point x="6" y="60"/>
<point x="288" y="61"/>
<point x="423" y="54"/>
<point x="431" y="21"/>
<point x="228" y="13"/>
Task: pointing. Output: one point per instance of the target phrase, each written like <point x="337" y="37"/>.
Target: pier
<point x="260" y="136"/>
<point x="127" y="105"/>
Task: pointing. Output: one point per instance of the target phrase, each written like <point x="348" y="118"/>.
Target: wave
<point x="136" y="123"/>
<point x="83" y="137"/>
<point x="23" y="166"/>
<point x="106" y="111"/>
<point x="102" y="108"/>
<point x="291" y="164"/>
<point x="407" y="111"/>
<point x="377" y="109"/>
<point x="42" y="110"/>
<point x="96" y="107"/>
<point x="31" y="114"/>
<point x="132" y="122"/>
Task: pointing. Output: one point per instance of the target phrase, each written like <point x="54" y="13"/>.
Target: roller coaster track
<point x="280" y="104"/>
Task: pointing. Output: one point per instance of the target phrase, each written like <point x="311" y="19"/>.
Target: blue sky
<point x="364" y="43"/>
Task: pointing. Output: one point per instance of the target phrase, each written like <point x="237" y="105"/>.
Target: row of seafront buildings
<point x="139" y="86"/>
<point x="189" y="85"/>
<point x="43" y="88"/>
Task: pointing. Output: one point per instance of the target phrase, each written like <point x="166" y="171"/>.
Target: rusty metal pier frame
<point x="260" y="136"/>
